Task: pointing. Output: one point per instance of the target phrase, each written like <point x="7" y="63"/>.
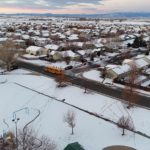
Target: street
<point x="143" y="100"/>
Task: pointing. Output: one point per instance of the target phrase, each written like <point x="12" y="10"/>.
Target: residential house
<point x="114" y="71"/>
<point x="37" y="51"/>
<point x="71" y="54"/>
<point x="52" y="47"/>
<point x="55" y="55"/>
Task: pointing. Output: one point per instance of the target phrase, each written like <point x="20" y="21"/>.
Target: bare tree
<point x="7" y="53"/>
<point x="129" y="92"/>
<point x="103" y="74"/>
<point x="47" y="144"/>
<point x="33" y="142"/>
<point x="69" y="118"/>
<point x="61" y="80"/>
<point x="125" y="123"/>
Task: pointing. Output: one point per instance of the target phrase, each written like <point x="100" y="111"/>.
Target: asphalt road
<point x="142" y="100"/>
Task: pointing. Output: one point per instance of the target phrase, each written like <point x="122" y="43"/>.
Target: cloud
<point x="74" y="6"/>
<point x="50" y="5"/>
<point x="43" y="3"/>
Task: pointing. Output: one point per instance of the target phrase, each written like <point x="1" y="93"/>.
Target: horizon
<point x="73" y="6"/>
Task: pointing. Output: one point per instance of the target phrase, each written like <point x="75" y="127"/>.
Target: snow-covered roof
<point x="52" y="46"/>
<point x="69" y="54"/>
<point x="80" y="44"/>
<point x="140" y="63"/>
<point x="33" y="48"/>
<point x="52" y="52"/>
<point x="122" y="69"/>
<point x="25" y="37"/>
<point x="99" y="45"/>
<point x="126" y="61"/>
<point x="73" y="37"/>
<point x="3" y="39"/>
<point x="41" y="39"/>
<point x="82" y="52"/>
<point x="139" y="56"/>
<point x="111" y="66"/>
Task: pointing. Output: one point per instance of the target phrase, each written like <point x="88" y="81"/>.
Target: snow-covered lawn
<point x="91" y="132"/>
<point x="95" y="75"/>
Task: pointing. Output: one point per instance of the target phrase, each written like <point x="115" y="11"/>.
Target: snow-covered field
<point x="95" y="75"/>
<point x="91" y="132"/>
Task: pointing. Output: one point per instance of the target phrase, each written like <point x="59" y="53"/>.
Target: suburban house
<point x="40" y="41"/>
<point x="20" y="43"/>
<point x="52" y="47"/>
<point x="71" y="55"/>
<point x="3" y="40"/>
<point x="73" y="37"/>
<point x="114" y="71"/>
<point x="37" y="51"/>
<point x="140" y="63"/>
<point x="147" y="58"/>
<point x="55" y="55"/>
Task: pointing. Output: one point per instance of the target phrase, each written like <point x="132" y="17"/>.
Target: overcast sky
<point x="73" y="6"/>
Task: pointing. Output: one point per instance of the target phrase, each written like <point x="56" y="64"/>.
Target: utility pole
<point x="16" y="122"/>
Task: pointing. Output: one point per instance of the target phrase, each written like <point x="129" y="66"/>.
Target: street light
<point x="16" y="122"/>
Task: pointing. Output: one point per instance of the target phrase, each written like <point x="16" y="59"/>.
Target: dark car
<point x="68" y="67"/>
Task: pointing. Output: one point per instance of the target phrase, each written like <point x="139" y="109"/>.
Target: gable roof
<point x="52" y="46"/>
<point x="33" y="48"/>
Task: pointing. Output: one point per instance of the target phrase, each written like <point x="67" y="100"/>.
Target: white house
<point x="140" y="63"/>
<point x="114" y="71"/>
<point x="35" y="50"/>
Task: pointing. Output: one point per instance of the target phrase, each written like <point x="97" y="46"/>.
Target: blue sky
<point x="73" y="6"/>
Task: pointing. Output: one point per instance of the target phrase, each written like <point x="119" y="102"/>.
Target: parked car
<point x="68" y="67"/>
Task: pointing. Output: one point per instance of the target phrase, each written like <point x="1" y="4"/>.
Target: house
<point x="98" y="45"/>
<point x="3" y="40"/>
<point x="45" y="33"/>
<point x="37" y="51"/>
<point x="25" y="37"/>
<point x="71" y="54"/>
<point x="52" y="47"/>
<point x="2" y="34"/>
<point x="82" y="52"/>
<point x="55" y="55"/>
<point x="114" y="71"/>
<point x="20" y="43"/>
<point x="41" y="41"/>
<point x="140" y="63"/>
<point x="73" y="37"/>
<point x="147" y="58"/>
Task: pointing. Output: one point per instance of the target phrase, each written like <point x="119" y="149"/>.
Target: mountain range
<point x="105" y="15"/>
